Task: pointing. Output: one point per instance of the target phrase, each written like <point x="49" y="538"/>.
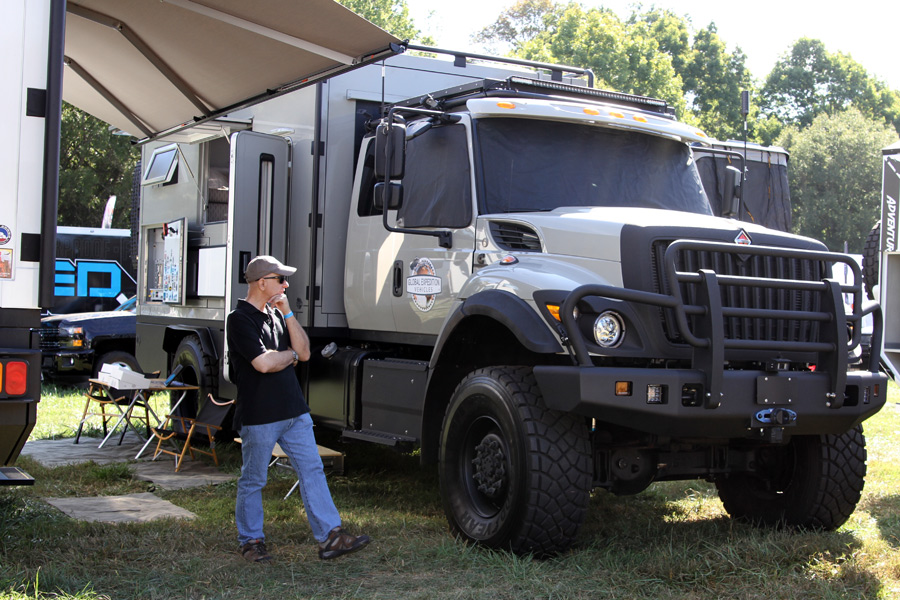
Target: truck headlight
<point x="71" y="336"/>
<point x="609" y="329"/>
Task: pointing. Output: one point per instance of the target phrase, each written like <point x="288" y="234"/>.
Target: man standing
<point x="265" y="343"/>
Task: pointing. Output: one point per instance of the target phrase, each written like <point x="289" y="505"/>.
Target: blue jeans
<point x="295" y="436"/>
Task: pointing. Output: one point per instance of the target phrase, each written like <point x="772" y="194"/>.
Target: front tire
<point x="118" y="358"/>
<point x="513" y="473"/>
<point x="813" y="482"/>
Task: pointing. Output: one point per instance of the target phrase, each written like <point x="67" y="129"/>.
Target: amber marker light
<point x="639" y="119"/>
<point x="554" y="311"/>
<point x="617" y="115"/>
<point x="591" y="111"/>
<point x="623" y="388"/>
<point x="505" y="105"/>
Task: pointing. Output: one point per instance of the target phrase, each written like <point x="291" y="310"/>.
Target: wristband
<point x="289" y="315"/>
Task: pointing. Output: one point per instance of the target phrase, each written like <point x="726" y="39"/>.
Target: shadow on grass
<point x="886" y="511"/>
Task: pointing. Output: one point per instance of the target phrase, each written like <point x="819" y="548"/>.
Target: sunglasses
<point x="280" y="278"/>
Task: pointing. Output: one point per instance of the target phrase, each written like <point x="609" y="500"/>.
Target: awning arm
<point x="108" y="95"/>
<point x="361" y="61"/>
<point x="180" y="84"/>
<point x="263" y="31"/>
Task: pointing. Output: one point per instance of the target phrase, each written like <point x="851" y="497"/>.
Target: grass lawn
<point x="673" y="540"/>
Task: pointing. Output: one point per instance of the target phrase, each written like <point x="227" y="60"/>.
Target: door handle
<point x="243" y="261"/>
<point x="398" y="278"/>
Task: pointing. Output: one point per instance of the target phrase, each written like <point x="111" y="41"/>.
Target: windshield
<point x="536" y="165"/>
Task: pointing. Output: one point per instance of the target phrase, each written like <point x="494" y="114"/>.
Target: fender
<point x="175" y="333"/>
<point x="507" y="309"/>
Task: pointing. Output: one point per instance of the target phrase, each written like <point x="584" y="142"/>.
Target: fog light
<point x="609" y="329"/>
<point x="656" y="394"/>
<point x="623" y="388"/>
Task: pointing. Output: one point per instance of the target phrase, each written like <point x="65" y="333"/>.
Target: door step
<point x="377" y="437"/>
<point x="15" y="476"/>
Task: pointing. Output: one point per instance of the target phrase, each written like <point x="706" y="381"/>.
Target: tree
<point x="835" y="176"/>
<point x="655" y="53"/>
<point x="624" y="56"/>
<point x="714" y="80"/>
<point x="517" y="25"/>
<point x="94" y="164"/>
<point x="390" y="15"/>
<point x="809" y="81"/>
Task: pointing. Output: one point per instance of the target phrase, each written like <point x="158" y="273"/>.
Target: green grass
<point x="671" y="541"/>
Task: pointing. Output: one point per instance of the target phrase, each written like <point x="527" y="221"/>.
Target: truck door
<point x="257" y="205"/>
<point x="437" y="194"/>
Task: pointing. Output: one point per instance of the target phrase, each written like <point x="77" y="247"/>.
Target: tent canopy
<point x="150" y="67"/>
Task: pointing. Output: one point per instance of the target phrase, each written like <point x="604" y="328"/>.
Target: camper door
<point x="257" y="205"/>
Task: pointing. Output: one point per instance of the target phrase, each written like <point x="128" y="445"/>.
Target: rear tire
<point x="812" y="482"/>
<point x="513" y="474"/>
<point x="196" y="369"/>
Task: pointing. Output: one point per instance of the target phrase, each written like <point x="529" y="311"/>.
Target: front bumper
<point x="68" y="362"/>
<point x="794" y="402"/>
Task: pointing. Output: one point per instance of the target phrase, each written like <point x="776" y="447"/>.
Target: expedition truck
<point x="522" y="276"/>
<point x="31" y="72"/>
<point x="881" y="259"/>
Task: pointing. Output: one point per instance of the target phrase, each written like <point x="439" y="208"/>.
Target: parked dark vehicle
<point x="77" y="345"/>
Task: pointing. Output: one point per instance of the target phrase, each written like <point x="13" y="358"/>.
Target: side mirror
<point x="731" y="195"/>
<point x="394" y="196"/>
<point x="391" y="140"/>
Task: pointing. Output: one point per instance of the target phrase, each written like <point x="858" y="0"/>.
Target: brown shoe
<point x="340" y="543"/>
<point x="255" y="551"/>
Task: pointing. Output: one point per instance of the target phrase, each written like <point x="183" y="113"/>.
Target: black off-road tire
<point x="813" y="482"/>
<point x="196" y="369"/>
<point x="513" y="474"/>
<point x="871" y="260"/>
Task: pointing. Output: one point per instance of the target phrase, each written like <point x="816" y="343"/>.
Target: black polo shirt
<point x="262" y="397"/>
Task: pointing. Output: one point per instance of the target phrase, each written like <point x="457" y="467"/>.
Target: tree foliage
<point x="654" y="53"/>
<point x="93" y="165"/>
<point x="390" y="15"/>
<point x="835" y="176"/>
<point x="809" y="81"/>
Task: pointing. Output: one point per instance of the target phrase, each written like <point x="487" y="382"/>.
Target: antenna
<point x="745" y="110"/>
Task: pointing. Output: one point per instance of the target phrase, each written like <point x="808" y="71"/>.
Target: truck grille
<point x="49" y="338"/>
<point x="746" y="297"/>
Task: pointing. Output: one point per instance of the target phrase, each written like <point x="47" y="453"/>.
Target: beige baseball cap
<point x="261" y="266"/>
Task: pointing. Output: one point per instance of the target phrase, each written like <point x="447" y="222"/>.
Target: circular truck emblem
<point x="5" y="235"/>
<point x="423" y="285"/>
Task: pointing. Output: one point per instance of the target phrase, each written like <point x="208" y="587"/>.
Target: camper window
<point x="163" y="166"/>
<point x="218" y="167"/>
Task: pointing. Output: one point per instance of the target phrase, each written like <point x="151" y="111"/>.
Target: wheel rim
<point x="485" y="465"/>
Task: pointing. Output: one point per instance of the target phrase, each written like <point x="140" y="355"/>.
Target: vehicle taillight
<point x="16" y="378"/>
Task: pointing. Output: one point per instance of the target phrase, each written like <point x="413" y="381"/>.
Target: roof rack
<point x="556" y="71"/>
<point x="524" y="87"/>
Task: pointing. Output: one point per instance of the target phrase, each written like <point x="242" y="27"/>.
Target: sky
<point x="763" y="29"/>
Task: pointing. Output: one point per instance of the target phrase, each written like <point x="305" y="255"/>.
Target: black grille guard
<point x="706" y="335"/>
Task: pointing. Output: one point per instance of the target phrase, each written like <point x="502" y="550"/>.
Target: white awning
<point x="153" y="66"/>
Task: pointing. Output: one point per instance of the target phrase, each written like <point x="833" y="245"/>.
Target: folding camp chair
<point x="209" y="420"/>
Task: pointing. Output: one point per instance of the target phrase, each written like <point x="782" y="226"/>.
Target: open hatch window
<point x="162" y="166"/>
